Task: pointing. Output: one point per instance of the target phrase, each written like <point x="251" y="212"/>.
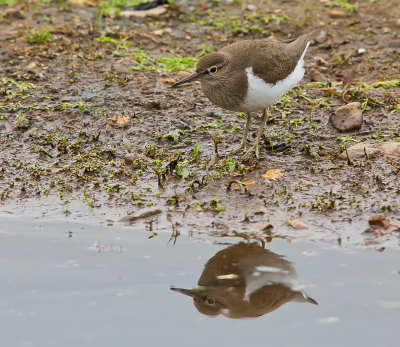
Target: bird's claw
<point x="254" y="149"/>
<point x="238" y="149"/>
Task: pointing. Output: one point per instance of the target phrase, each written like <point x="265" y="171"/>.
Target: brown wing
<point x="272" y="61"/>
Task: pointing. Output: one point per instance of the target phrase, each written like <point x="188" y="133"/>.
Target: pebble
<point x="317" y="76"/>
<point x="211" y="112"/>
<point x="337" y="14"/>
<point x="12" y="13"/>
<point x="31" y="66"/>
<point x="390" y="149"/>
<point x="297" y="223"/>
<point x="348" y="117"/>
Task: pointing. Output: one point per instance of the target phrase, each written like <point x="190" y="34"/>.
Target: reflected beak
<point x="189" y="292"/>
<point x="190" y="78"/>
<point x="311" y="301"/>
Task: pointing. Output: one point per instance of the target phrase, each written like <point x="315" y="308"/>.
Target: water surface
<point x="71" y="284"/>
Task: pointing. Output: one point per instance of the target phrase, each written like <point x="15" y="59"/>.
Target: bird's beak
<point x="190" y="78"/>
<point x="189" y="292"/>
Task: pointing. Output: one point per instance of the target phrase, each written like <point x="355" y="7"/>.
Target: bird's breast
<point x="227" y="92"/>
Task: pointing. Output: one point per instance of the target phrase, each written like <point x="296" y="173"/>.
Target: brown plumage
<point x="245" y="280"/>
<point x="224" y="75"/>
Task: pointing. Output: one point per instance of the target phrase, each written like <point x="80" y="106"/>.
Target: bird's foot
<point x="243" y="146"/>
<point x="254" y="149"/>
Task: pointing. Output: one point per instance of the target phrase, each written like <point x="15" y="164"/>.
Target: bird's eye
<point x="212" y="70"/>
<point x="211" y="301"/>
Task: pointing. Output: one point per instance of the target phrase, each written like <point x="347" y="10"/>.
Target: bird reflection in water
<point x="245" y="280"/>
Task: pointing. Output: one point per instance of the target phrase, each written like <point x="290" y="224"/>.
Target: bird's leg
<point x="254" y="148"/>
<point x="244" y="139"/>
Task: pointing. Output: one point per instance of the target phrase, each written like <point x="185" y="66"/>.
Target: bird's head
<point x="208" y="68"/>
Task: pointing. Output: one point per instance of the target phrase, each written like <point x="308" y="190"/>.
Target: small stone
<point x="348" y="117"/>
<point x="390" y="149"/>
<point x="211" y="112"/>
<point x="360" y="151"/>
<point x="262" y="226"/>
<point x="337" y="14"/>
<point x="297" y="223"/>
<point x="13" y="13"/>
<point x="317" y="76"/>
<point x="361" y="50"/>
<point x="160" y="32"/>
<point x="129" y="158"/>
<point x="31" y="66"/>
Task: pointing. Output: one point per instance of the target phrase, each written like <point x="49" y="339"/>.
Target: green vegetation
<point x="390" y="84"/>
<point x="22" y="86"/>
<point x="40" y="35"/>
<point x="10" y="2"/>
<point x="168" y="63"/>
<point x="113" y="7"/>
<point x="344" y="4"/>
<point x="119" y="44"/>
<point x="250" y="22"/>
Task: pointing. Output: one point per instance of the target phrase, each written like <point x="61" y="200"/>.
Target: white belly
<point x="262" y="94"/>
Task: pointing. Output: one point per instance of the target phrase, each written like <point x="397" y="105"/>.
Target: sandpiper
<point x="248" y="76"/>
<point x="246" y="280"/>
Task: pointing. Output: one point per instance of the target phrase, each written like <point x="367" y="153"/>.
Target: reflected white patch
<point x="388" y="304"/>
<point x="262" y="94"/>
<point x="227" y="277"/>
<point x="270" y="269"/>
<point x="328" y="320"/>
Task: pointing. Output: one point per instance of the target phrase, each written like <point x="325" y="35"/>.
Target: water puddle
<point x="70" y="284"/>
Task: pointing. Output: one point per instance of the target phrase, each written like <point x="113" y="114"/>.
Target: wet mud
<point x="90" y="127"/>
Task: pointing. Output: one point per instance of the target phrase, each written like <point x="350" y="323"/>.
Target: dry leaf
<point x="273" y="174"/>
<point x="121" y="120"/>
<point x="297" y="223"/>
<point x="248" y="183"/>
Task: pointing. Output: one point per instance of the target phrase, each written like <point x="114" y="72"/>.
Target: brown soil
<point x="67" y="103"/>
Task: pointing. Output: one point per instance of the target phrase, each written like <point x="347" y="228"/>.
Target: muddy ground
<point x="78" y="80"/>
